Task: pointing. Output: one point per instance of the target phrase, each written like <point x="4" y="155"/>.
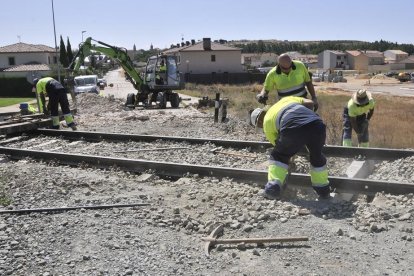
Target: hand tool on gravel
<point x="219" y="151"/>
<point x="212" y="239"/>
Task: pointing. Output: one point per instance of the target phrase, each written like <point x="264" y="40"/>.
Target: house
<point x="21" y="58"/>
<point x="409" y="62"/>
<point x="361" y="60"/>
<point x="394" y="56"/>
<point x="330" y="59"/>
<point x="259" y="59"/>
<point x="206" y="57"/>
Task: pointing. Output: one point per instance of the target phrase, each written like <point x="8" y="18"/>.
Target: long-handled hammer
<point x="212" y="240"/>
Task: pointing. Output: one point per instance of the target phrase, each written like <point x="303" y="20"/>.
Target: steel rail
<point x="64" y="209"/>
<point x="331" y="151"/>
<point x="341" y="184"/>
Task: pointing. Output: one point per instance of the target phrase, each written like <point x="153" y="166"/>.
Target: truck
<point x="403" y="76"/>
<point x="155" y="85"/>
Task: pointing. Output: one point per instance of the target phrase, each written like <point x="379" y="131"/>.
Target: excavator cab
<point x="161" y="73"/>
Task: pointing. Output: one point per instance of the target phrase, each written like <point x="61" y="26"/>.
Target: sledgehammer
<point x="212" y="240"/>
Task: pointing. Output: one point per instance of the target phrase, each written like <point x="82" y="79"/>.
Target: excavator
<point x="154" y="85"/>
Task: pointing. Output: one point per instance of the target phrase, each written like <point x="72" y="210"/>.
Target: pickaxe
<point x="212" y="240"/>
<point x="219" y="151"/>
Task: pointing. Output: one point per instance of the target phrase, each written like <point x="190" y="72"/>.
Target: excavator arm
<point x="119" y="54"/>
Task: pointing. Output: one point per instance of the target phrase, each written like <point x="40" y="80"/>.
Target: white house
<point x="206" y="57"/>
<point x="19" y="58"/>
<point x="259" y="59"/>
<point x="394" y="56"/>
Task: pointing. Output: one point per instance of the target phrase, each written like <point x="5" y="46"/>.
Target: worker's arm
<point x="308" y="103"/>
<point x="271" y="137"/>
<point x="370" y="113"/>
<point x="311" y="90"/>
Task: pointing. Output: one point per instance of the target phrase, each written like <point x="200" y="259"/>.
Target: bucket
<point x="24" y="108"/>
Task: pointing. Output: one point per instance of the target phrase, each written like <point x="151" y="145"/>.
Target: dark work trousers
<point x="362" y="124"/>
<point x="292" y="140"/>
<point x="57" y="95"/>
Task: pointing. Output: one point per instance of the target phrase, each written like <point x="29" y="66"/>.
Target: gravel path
<point x="346" y="238"/>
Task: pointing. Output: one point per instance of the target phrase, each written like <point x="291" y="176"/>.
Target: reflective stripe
<point x="278" y="163"/>
<point x="55" y="120"/>
<point x="277" y="173"/>
<point x="319" y="176"/>
<point x="298" y="91"/>
<point x="286" y="110"/>
<point x="364" y="145"/>
<point x="347" y="143"/>
<point x="68" y="118"/>
<point x="318" y="169"/>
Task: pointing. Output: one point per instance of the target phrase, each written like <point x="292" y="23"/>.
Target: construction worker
<point x="289" y="78"/>
<point x="289" y="125"/>
<point x="161" y="73"/>
<point x="356" y="116"/>
<point x="57" y="95"/>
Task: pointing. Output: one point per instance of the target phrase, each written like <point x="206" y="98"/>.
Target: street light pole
<point x="82" y="35"/>
<point x="54" y="30"/>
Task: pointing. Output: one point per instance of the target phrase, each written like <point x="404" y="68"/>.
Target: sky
<point x="161" y="23"/>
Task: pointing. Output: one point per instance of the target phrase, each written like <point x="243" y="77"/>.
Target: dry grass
<point x="390" y="127"/>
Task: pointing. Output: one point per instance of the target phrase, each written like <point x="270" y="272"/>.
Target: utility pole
<point x="56" y="51"/>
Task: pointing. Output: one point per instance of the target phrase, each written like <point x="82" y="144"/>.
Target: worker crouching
<point x="289" y="125"/>
<point x="57" y="95"/>
<point x="356" y="116"/>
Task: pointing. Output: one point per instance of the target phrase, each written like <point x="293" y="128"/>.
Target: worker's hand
<point x="262" y="98"/>
<point x="315" y="103"/>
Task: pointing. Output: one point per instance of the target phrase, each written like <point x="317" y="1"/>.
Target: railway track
<point x="174" y="169"/>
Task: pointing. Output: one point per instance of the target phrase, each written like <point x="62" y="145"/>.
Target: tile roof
<point x="337" y="52"/>
<point x="374" y="54"/>
<point x="28" y="67"/>
<point x="399" y="52"/>
<point x="353" y="52"/>
<point x="199" y="47"/>
<point x="26" y="48"/>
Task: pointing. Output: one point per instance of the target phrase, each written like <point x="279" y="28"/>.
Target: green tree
<point x="63" y="55"/>
<point x="69" y="51"/>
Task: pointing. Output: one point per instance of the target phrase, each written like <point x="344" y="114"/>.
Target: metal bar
<point x="25" y="126"/>
<point x="341" y="184"/>
<point x="216" y="107"/>
<point x="337" y="151"/>
<point x="64" y="209"/>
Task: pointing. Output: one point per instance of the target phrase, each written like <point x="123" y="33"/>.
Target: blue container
<point x="24" y="106"/>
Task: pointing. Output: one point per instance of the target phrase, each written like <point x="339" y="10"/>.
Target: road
<point x="388" y="87"/>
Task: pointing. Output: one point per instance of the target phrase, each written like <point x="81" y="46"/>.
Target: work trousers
<point x="362" y="126"/>
<point x="57" y="96"/>
<point x="290" y="141"/>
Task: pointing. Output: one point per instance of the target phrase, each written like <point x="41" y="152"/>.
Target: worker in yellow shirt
<point x="288" y="78"/>
<point x="289" y="125"/>
<point x="57" y="95"/>
<point x="356" y="116"/>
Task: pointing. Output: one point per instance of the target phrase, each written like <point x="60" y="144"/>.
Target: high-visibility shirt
<point x="41" y="85"/>
<point x="354" y="110"/>
<point x="163" y="68"/>
<point x="289" y="112"/>
<point x="291" y="84"/>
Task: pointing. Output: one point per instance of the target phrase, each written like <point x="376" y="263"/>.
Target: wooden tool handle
<point x="255" y="240"/>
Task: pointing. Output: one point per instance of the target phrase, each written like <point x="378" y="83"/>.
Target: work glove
<point x="315" y="103"/>
<point x="262" y="98"/>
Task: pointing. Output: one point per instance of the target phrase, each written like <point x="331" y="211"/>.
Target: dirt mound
<point x="92" y="103"/>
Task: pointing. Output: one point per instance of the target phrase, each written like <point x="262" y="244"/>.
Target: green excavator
<point x="155" y="85"/>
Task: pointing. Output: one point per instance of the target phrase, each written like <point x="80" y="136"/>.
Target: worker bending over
<point x="289" y="125"/>
<point x="356" y="116"/>
<point x="57" y="95"/>
<point x="288" y="78"/>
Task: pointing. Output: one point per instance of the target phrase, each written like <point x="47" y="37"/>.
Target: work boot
<point x="272" y="191"/>
<point x="72" y="126"/>
<point x="323" y="192"/>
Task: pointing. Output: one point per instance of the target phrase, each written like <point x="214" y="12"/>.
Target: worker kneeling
<point x="289" y="125"/>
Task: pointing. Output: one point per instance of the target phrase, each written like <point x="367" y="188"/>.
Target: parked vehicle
<point x="404" y="76"/>
<point x="86" y="84"/>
